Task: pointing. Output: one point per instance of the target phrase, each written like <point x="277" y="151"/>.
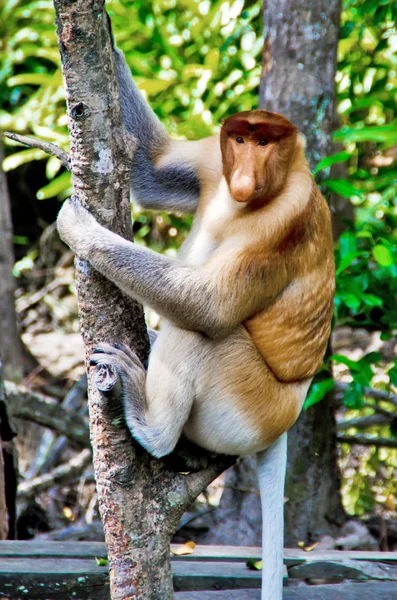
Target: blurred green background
<point x="197" y="62"/>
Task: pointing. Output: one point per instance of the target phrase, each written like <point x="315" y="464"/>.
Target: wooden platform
<point x="68" y="570"/>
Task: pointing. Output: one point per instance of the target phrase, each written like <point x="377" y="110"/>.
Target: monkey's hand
<point x="78" y="228"/>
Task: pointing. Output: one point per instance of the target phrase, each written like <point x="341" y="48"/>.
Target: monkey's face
<point x="257" y="147"/>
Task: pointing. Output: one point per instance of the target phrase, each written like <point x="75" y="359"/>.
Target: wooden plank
<point x="347" y="591"/>
<point x="214" y="575"/>
<point x="292" y="556"/>
<point x="46" y="566"/>
<point x="82" y="579"/>
<point x="40" y="549"/>
<point x="217" y="575"/>
<point x="45" y="578"/>
<point x="30" y="575"/>
<point x="344" y="591"/>
<point x="342" y="570"/>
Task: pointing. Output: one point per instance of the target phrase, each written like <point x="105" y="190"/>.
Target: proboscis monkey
<point x="247" y="307"/>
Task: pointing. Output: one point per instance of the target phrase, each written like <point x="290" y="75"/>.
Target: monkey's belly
<point x="238" y="405"/>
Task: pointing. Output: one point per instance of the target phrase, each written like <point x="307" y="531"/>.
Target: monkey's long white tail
<point x="271" y="465"/>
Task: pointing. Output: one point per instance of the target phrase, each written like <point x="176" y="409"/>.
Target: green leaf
<point x="20" y="158"/>
<point x="347" y="244"/>
<point x="393" y="376"/>
<point x="32" y="79"/>
<point x="353" y="397"/>
<point x="382" y="255"/>
<point x="318" y="391"/>
<point x="20" y="240"/>
<point x="386" y="134"/>
<point x="342" y="187"/>
<point x="371" y="300"/>
<point x="352" y="364"/>
<point x="331" y="160"/>
<point x="255" y="565"/>
<point x="55" y="187"/>
<point x="347" y="260"/>
<point x="351" y="300"/>
<point x="153" y="86"/>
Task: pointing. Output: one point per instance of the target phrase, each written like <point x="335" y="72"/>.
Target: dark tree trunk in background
<point x="299" y="64"/>
<point x="8" y="469"/>
<point x="10" y="343"/>
<point x="237" y="520"/>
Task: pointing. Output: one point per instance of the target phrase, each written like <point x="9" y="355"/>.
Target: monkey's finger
<point x="103" y="348"/>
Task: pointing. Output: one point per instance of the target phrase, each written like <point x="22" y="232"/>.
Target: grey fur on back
<point x="174" y="187"/>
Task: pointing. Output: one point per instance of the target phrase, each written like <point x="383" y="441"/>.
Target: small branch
<point x="43" y="410"/>
<point x="366" y="440"/>
<point x="365" y="422"/>
<point x="52" y="445"/>
<point x="370" y="393"/>
<point x="197" y="482"/>
<point x="47" y="147"/>
<point x="63" y="473"/>
<point x="381" y="411"/>
<point x="22" y="305"/>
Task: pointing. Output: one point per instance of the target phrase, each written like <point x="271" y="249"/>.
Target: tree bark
<point x="8" y="469"/>
<point x="3" y="503"/>
<point x="141" y="500"/>
<point x="299" y="65"/>
<point x="10" y="343"/>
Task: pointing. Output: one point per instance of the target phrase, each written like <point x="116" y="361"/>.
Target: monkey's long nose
<point x="242" y="186"/>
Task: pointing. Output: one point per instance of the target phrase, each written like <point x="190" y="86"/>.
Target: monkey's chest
<point x="199" y="246"/>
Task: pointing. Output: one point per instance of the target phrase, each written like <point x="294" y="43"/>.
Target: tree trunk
<point x="299" y="64"/>
<point x="8" y="469"/>
<point x="141" y="500"/>
<point x="10" y="343"/>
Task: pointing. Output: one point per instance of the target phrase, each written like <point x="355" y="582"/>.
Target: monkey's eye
<point x="263" y="143"/>
<point x="239" y="140"/>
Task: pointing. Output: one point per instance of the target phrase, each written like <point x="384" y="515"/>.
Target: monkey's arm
<point x="165" y="174"/>
<point x="212" y="299"/>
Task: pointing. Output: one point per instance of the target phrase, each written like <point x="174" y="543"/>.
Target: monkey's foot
<point x="120" y="359"/>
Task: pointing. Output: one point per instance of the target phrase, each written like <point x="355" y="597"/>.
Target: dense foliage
<point x="198" y="61"/>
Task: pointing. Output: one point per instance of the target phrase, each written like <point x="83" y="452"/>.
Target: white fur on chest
<point x="200" y="247"/>
<point x="206" y="234"/>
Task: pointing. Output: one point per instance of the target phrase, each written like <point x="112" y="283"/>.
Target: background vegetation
<point x="197" y="62"/>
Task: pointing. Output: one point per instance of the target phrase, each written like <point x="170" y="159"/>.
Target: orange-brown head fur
<point x="257" y="147"/>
